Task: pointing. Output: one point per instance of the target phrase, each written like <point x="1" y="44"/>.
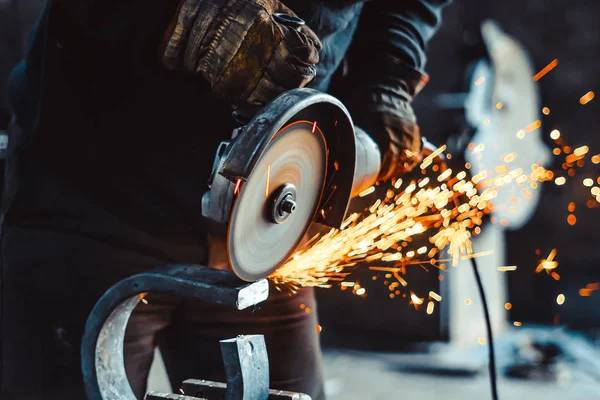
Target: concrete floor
<point x="354" y="376"/>
<point x="448" y="373"/>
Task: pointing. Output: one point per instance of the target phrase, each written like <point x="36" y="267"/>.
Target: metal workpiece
<point x="102" y="345"/>
<point x="170" y="396"/>
<point x="247" y="373"/>
<point x="246" y="367"/>
<point x="201" y="389"/>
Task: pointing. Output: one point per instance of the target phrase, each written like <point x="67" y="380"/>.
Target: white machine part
<point x="508" y="79"/>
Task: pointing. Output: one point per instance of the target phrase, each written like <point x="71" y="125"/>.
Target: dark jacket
<point x="119" y="149"/>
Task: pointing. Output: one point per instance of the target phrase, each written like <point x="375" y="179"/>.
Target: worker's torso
<point x="124" y="148"/>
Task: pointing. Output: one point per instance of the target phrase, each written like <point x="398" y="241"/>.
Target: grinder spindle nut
<point x="284" y="203"/>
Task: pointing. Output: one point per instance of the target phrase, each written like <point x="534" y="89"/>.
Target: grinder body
<point x="298" y="160"/>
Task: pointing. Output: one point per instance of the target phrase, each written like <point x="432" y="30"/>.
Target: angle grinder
<point x="299" y="160"/>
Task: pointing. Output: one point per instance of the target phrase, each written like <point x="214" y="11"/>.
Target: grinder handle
<point x="368" y="162"/>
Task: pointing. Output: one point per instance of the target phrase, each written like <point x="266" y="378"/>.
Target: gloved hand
<point x="246" y="51"/>
<point x="404" y="151"/>
<point x="383" y="108"/>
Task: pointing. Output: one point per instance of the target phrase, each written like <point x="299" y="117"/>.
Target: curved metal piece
<point x="102" y="346"/>
<point x="335" y="123"/>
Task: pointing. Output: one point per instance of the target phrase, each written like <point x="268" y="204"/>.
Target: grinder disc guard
<point x="276" y="204"/>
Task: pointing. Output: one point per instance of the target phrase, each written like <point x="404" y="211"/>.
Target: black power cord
<point x="488" y="325"/>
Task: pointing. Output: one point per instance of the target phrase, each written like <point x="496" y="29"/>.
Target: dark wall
<point x="549" y="29"/>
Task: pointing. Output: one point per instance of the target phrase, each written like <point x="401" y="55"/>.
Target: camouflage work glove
<point x="404" y="144"/>
<point x="250" y="51"/>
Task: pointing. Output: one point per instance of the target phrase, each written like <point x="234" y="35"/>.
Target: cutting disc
<point x="263" y="231"/>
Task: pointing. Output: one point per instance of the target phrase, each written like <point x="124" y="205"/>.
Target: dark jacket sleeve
<point x="116" y="34"/>
<point x="401" y="28"/>
<point x="387" y="60"/>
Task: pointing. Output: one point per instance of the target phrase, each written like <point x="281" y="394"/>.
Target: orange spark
<point x="586" y="98"/>
<point x="268" y="180"/>
<point x="547" y="264"/>
<point x="236" y="188"/>
<point x="545" y="70"/>
<point x="533" y="126"/>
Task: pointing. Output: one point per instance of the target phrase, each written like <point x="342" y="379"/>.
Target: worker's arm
<point x="387" y="59"/>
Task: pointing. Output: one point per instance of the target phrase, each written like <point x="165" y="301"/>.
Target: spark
<point x="545" y="70"/>
<point x="507" y="268"/>
<point x="508" y="306"/>
<point x="580" y="151"/>
<point x="416" y="300"/>
<point x="517" y="323"/>
<point x="468" y="302"/>
<point x="268" y="180"/>
<point x="560" y="299"/>
<point x="444" y="175"/>
<point x="429" y="159"/>
<point x="479" y="148"/>
<point x="480" y="81"/>
<point x="499" y="105"/>
<point x="586" y="98"/>
<point x="236" y="188"/>
<point x="560" y="181"/>
<point x="555" y="134"/>
<point x="435" y="296"/>
<point x="430" y="307"/>
<point x="548" y="264"/>
<point x="314" y="127"/>
<point x="480" y="340"/>
<point x="588" y="182"/>
<point x="533" y="126"/>
<point x="546" y="110"/>
<point x="367" y="191"/>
